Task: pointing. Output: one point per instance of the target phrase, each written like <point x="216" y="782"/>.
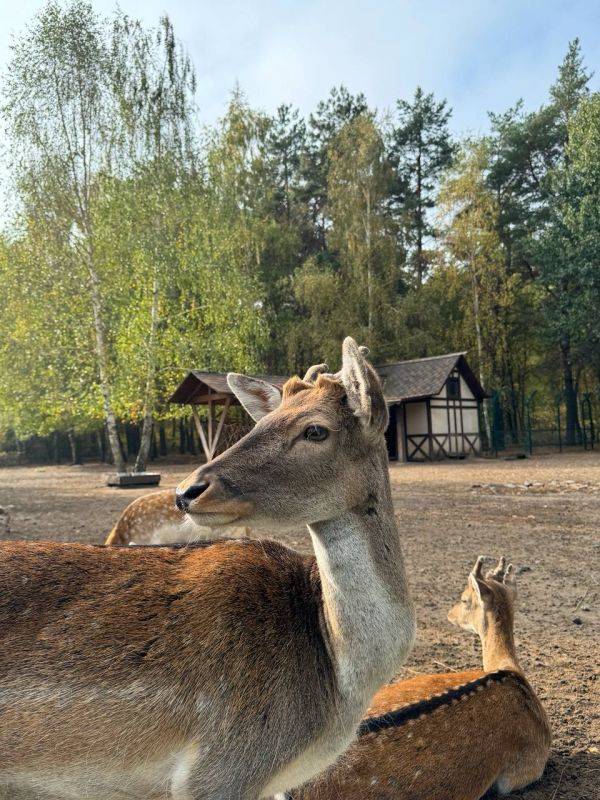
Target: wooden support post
<point x="210" y="428"/>
<point x="201" y="434"/>
<point x="210" y="438"/>
<point x="215" y="442"/>
<point x="429" y="428"/>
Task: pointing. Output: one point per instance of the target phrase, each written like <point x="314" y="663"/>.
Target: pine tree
<point x="530" y="152"/>
<point x="571" y="86"/>
<point x="329" y="118"/>
<point x="421" y="149"/>
<point x="285" y="143"/>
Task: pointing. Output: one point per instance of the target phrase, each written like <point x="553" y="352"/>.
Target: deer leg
<point x="522" y="772"/>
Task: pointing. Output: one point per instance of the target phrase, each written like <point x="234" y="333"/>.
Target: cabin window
<point x="453" y="386"/>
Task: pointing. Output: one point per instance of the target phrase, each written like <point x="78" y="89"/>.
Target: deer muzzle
<point x="208" y="497"/>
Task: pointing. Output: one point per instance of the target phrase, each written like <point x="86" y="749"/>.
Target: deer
<point x="450" y="736"/>
<point x="230" y="669"/>
<point x="151" y="519"/>
<point x="155" y="519"/>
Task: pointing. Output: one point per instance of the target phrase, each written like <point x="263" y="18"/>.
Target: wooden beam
<point x="216" y="397"/>
<point x="210" y="427"/>
<point x="404" y="434"/>
<point x="215" y="442"/>
<point x="430" y="429"/>
<point x="201" y="434"/>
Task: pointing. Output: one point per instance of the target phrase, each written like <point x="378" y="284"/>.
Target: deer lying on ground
<point x="452" y="736"/>
<point x="155" y="519"/>
<point x="223" y="671"/>
<point x="151" y="519"/>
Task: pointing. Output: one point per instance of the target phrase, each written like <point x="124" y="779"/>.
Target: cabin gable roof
<point x="404" y="380"/>
<point x="198" y="384"/>
<point x="424" y="377"/>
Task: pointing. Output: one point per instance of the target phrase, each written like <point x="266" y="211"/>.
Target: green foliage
<point x="568" y="249"/>
<point x="421" y="150"/>
<point x="143" y="248"/>
<point x="47" y="375"/>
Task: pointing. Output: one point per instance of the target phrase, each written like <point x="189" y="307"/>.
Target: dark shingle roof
<point x="423" y="377"/>
<point x="405" y="380"/>
<point x="198" y="383"/>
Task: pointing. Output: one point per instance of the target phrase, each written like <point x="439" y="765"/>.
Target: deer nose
<point x="183" y="499"/>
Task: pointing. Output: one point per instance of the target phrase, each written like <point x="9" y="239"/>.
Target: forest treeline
<point x="144" y="243"/>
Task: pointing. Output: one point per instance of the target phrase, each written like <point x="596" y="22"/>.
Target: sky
<point x="481" y="55"/>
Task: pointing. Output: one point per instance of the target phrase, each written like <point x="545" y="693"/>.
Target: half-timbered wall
<point x="444" y="425"/>
<point x="416" y="425"/>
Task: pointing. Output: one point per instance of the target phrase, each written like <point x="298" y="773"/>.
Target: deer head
<point x="486" y="599"/>
<point x="317" y="450"/>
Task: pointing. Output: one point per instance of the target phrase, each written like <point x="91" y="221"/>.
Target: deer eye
<point x="316" y="433"/>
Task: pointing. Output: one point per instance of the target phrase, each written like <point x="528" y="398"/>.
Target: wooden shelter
<point x="433" y="404"/>
<point x="211" y="389"/>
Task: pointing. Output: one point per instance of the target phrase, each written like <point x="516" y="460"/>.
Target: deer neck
<point x="498" y="644"/>
<point x="369" y="617"/>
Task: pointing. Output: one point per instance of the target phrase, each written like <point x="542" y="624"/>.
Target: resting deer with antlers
<point x="232" y="670"/>
<point x="452" y="736"/>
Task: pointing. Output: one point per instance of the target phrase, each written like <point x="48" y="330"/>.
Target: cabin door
<point x="391" y="435"/>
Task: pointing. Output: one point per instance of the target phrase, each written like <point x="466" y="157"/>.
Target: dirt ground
<point x="543" y="513"/>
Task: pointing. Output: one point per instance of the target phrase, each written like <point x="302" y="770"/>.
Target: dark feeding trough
<point x="133" y="480"/>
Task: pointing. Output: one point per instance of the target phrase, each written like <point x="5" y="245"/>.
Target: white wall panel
<point x="465" y="392"/>
<point x="470" y="420"/>
<point x="439" y="420"/>
<point x="416" y="418"/>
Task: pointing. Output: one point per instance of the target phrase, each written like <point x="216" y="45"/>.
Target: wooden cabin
<point x="434" y="408"/>
<point x="433" y="404"/>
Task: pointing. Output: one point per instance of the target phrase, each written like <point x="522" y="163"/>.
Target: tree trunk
<point x="75" y="459"/>
<point x="121" y="446"/>
<point x="101" y="354"/>
<point x="100" y="445"/>
<point x="132" y="437"/>
<point x="182" y="436"/>
<point x="485" y="409"/>
<point x="572" y="423"/>
<point x="149" y="389"/>
<point x="153" y="445"/>
<point x="162" y="439"/>
<point x="419" y="221"/>
<point x="55" y="448"/>
<point x="191" y="439"/>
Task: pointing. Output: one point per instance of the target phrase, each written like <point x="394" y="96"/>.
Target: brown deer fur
<point x="231" y="670"/>
<point x="452" y="736"/>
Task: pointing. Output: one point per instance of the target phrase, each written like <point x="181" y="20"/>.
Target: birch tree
<point x="61" y="122"/>
<point x="358" y="184"/>
<point x="154" y="83"/>
<point x="85" y="100"/>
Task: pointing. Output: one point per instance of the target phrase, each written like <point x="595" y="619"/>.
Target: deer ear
<point x="479" y="587"/>
<point x="258" y="397"/>
<point x="510" y="580"/>
<point x="363" y="389"/>
<point x="474" y="584"/>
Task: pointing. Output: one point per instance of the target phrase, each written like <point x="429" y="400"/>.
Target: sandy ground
<point x="543" y="513"/>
